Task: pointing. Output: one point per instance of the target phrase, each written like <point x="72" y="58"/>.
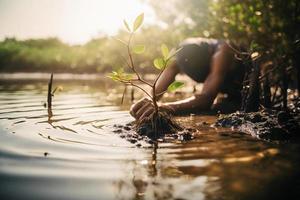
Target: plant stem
<point x="132" y="94"/>
<point x="154" y="99"/>
<point x="154" y="96"/>
<point x="141" y="89"/>
<point x="49" y="97"/>
<point x="131" y="66"/>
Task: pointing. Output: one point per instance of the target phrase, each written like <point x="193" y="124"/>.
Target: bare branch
<point x="160" y="73"/>
<point x="135" y="85"/>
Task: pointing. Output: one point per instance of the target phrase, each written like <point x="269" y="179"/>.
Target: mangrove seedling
<point x="159" y="122"/>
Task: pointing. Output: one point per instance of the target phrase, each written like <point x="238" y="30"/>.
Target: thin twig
<point x="141" y="89"/>
<point x="238" y="51"/>
<point x="268" y="72"/>
<point x="137" y="86"/>
<point x="155" y="81"/>
<point x="49" y="97"/>
<point x="132" y="94"/>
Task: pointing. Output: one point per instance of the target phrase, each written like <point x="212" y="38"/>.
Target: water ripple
<point x="72" y="153"/>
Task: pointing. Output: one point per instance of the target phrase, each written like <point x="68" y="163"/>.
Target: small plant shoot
<point x="134" y="79"/>
<point x="174" y="86"/>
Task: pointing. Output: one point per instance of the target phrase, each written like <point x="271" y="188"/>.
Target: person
<point x="208" y="61"/>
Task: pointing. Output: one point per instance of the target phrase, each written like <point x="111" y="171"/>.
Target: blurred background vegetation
<point x="272" y="24"/>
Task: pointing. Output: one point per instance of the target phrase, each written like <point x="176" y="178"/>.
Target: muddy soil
<point x="158" y="127"/>
<point x="145" y="134"/>
<point x="271" y="125"/>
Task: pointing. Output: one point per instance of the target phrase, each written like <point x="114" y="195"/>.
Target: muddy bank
<point x="145" y="134"/>
<point x="267" y="124"/>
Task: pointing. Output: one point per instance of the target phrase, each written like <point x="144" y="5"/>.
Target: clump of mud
<point x="159" y="128"/>
<point x="157" y="125"/>
<point x="267" y="124"/>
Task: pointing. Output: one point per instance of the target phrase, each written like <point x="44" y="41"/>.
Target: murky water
<point x="75" y="155"/>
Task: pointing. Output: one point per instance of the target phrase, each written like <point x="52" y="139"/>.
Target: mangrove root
<point x="157" y="125"/>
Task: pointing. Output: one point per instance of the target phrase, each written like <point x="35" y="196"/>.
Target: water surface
<point x="75" y="155"/>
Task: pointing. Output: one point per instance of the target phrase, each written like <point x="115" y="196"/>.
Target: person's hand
<point x="144" y="108"/>
<point x="141" y="109"/>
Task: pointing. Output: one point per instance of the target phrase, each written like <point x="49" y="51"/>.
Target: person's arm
<point x="144" y="106"/>
<point x="219" y="67"/>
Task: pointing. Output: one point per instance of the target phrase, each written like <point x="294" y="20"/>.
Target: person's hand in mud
<point x="144" y="108"/>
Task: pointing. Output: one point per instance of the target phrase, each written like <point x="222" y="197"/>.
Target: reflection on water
<point x="71" y="152"/>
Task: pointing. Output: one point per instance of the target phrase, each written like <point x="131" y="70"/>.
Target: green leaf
<point x="113" y="77"/>
<point x="114" y="73"/>
<point x="138" y="49"/>
<point x="138" y="21"/>
<point x="175" y="85"/>
<point x="120" y="75"/>
<point x="159" y="63"/>
<point x="126" y="25"/>
<point x="164" y="51"/>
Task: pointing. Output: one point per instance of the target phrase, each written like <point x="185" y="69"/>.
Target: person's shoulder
<point x="211" y="41"/>
<point x="225" y="46"/>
